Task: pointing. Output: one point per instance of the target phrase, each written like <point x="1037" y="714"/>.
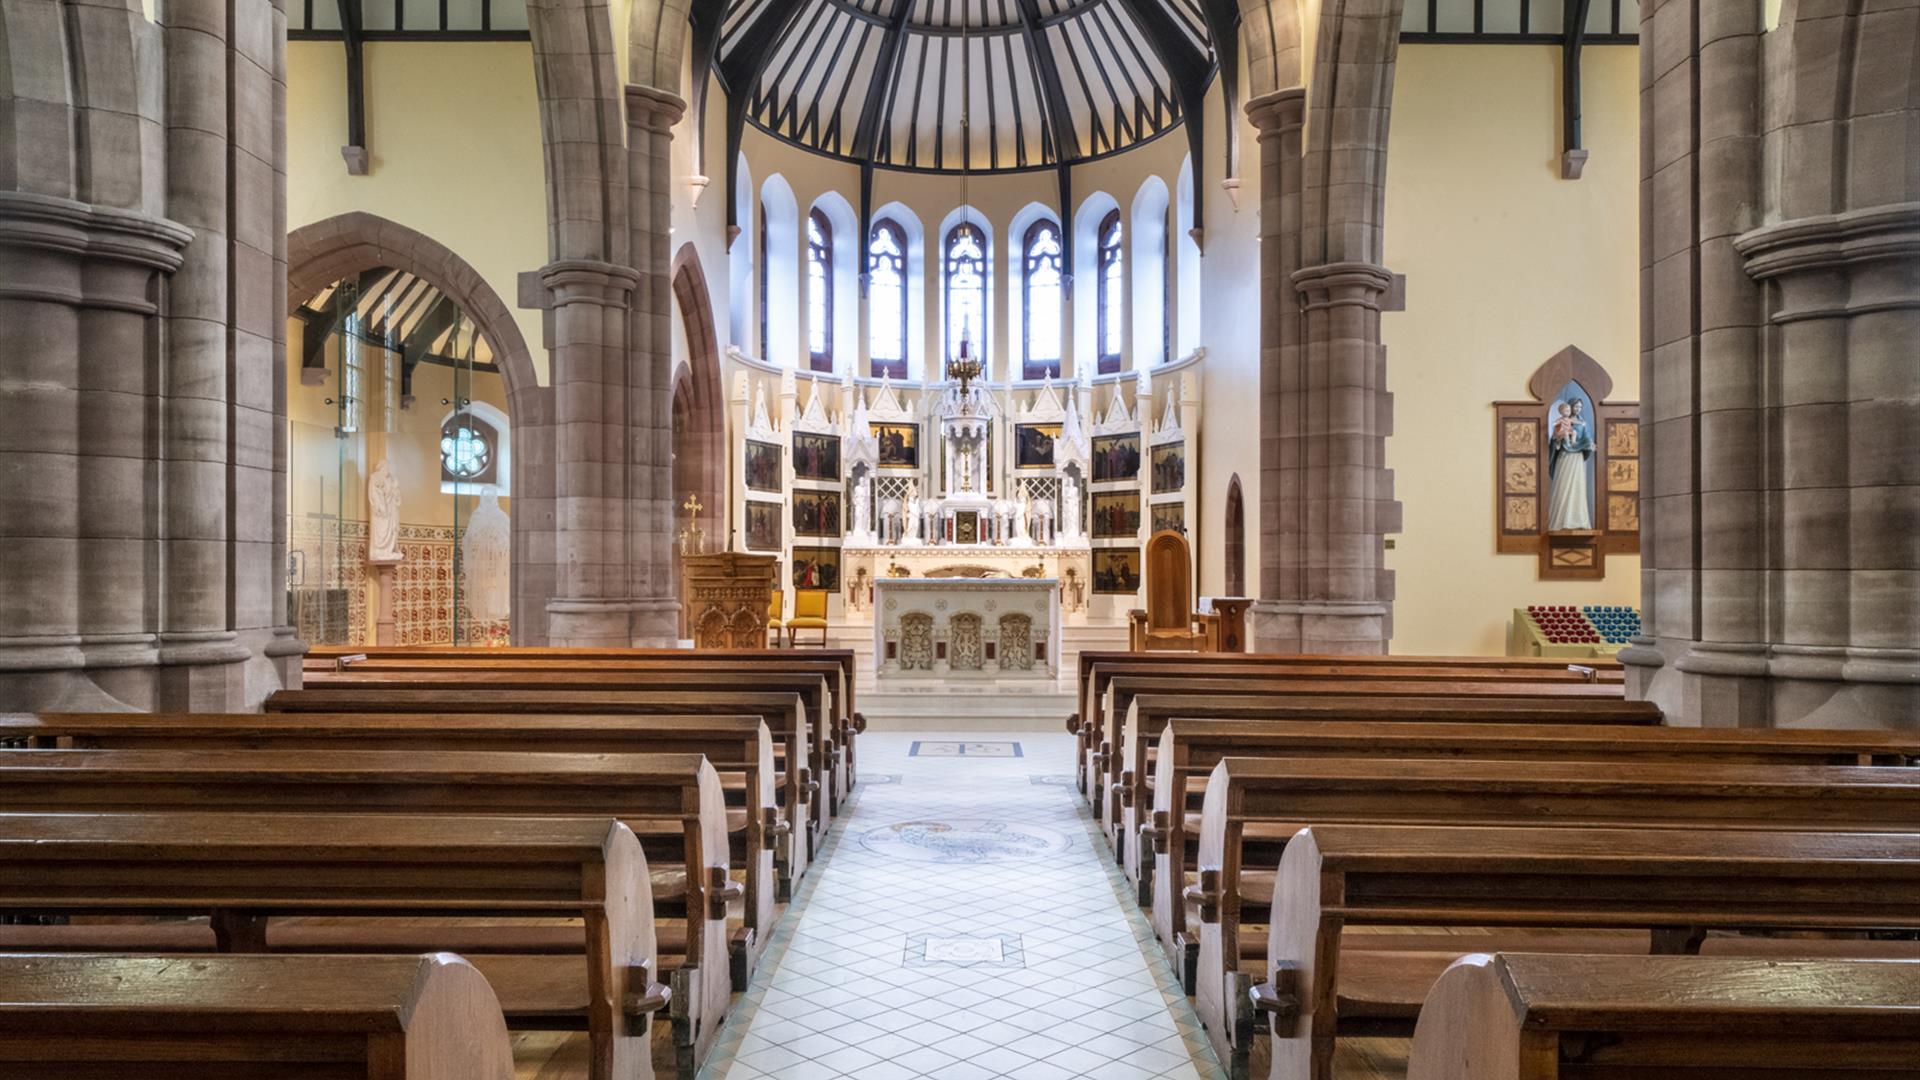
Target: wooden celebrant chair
<point x="1169" y="622"/>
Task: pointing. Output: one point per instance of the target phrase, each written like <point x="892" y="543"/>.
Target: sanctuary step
<point x="971" y="704"/>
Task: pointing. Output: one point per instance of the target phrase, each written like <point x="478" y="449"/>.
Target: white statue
<point x="911" y="531"/>
<point x="1020" y="516"/>
<point x="383" y="502"/>
<point x="1069" y="507"/>
<point x="487" y="560"/>
<point x="862" y="508"/>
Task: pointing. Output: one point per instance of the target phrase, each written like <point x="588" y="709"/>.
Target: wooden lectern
<point x="725" y="597"/>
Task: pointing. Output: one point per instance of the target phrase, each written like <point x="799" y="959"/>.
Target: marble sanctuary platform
<point x="966" y="628"/>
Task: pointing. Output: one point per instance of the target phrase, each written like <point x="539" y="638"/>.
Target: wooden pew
<point x="1197" y="745"/>
<point x="585" y="877"/>
<point x="1088" y="687"/>
<point x="1675" y="884"/>
<point x="848" y="720"/>
<point x="1121" y="690"/>
<point x="249" y="1018"/>
<point x="739" y="747"/>
<point x="785" y="714"/>
<point x="672" y="802"/>
<point x="1525" y="1016"/>
<point x="1109" y="686"/>
<point x="1254" y="806"/>
<point x="812" y="689"/>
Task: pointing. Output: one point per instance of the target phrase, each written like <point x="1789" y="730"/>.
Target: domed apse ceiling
<point x="1040" y="83"/>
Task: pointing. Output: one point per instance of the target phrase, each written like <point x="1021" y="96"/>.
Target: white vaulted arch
<point x="1086" y="278"/>
<point x="1186" y="266"/>
<point x="847" y="335"/>
<point x="1147" y="273"/>
<point x="780" y="272"/>
<point x="741" y="262"/>
<point x="916" y="329"/>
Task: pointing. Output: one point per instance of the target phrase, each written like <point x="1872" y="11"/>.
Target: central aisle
<point x="967" y="923"/>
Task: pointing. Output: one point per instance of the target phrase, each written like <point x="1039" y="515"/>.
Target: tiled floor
<point x="966" y="924"/>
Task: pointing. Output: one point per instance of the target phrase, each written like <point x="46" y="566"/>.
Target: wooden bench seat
<point x="1149" y="811"/>
<point x="1516" y="1017"/>
<point x="1253" y="807"/>
<point x="785" y="714"/>
<point x="645" y="790"/>
<point x="739" y="747"/>
<point x="1676" y="883"/>
<point x="321" y="656"/>
<point x="837" y="668"/>
<point x="243" y="870"/>
<point x="1429" y="698"/>
<point x="1097" y="667"/>
<point x="249" y="1018"/>
<point x="811" y="686"/>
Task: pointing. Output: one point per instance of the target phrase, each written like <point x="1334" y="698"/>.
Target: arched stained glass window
<point x="1042" y="299"/>
<point x="820" y="291"/>
<point x="1112" y="288"/>
<point x="966" y="285"/>
<point x="887" y="300"/>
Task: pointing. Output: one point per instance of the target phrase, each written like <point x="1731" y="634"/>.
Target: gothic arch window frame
<point x="1032" y="261"/>
<point x="1111" y="285"/>
<point x="492" y="424"/>
<point x="820" y="285"/>
<point x="948" y="271"/>
<point x="897" y="263"/>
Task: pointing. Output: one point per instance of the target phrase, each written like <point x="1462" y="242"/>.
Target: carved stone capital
<point x="56" y="250"/>
<point x="584" y="281"/>
<point x="1344" y="284"/>
<point x="1278" y="112"/>
<point x="653" y="109"/>
<point x="1831" y="240"/>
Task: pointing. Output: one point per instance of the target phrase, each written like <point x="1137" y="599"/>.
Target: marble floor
<point x="965" y="924"/>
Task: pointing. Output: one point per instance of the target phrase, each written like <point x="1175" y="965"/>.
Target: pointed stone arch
<point x="699" y="407"/>
<point x="337" y="247"/>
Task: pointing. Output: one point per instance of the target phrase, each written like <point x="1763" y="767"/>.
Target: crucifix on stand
<point x="693" y="538"/>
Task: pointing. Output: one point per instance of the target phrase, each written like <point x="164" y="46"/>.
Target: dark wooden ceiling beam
<point x="355" y="152"/>
<point x="1189" y="67"/>
<point x="1066" y="140"/>
<point x="740" y="67"/>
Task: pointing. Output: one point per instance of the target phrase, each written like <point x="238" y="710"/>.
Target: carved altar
<point x="1070" y="568"/>
<point x="992" y="628"/>
<point x="725" y="596"/>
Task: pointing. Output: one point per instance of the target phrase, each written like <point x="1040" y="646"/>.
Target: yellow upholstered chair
<point x="776" y="607"/>
<point x="1169" y="621"/>
<point x="809" y="613"/>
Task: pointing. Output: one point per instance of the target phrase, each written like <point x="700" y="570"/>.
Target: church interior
<point x="959" y="539"/>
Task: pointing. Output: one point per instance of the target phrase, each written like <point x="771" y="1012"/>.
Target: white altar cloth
<point x="993" y="628"/>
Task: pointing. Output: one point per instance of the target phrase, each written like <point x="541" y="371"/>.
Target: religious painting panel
<point x="1169" y="517"/>
<point x="1116" y="457"/>
<point x="1116" y="571"/>
<point x="763" y="526"/>
<point x="815" y="456"/>
<point x="1116" y="515"/>
<point x="899" y="445"/>
<point x="816" y="568"/>
<point x="1033" y="445"/>
<point x="763" y="466"/>
<point x="816" y="513"/>
<point x="1169" y="469"/>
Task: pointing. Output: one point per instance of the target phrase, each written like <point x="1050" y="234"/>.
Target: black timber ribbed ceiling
<point x="1038" y="83"/>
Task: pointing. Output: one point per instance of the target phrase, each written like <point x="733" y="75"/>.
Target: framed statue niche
<point x="1567" y="471"/>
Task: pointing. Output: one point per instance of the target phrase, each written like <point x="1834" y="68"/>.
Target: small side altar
<point x="993" y="628"/>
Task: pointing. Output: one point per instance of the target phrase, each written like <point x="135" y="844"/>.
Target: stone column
<point x="1781" y="316"/>
<point x="1326" y="496"/>
<point x="651" y="115"/>
<point x="589" y="303"/>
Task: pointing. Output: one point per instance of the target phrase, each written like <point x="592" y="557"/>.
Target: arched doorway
<point x="407" y="380"/>
<point x="1236" y="529"/>
<point x="699" y="419"/>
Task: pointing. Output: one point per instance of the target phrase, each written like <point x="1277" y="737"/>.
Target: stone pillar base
<point x="1725" y="685"/>
<point x="1321" y="626"/>
<point x="647" y="623"/>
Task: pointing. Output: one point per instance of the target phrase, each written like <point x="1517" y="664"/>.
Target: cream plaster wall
<point x="1506" y="264"/>
<point x="454" y="131"/>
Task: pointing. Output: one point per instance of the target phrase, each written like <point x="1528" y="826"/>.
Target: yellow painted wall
<point x="454" y="129"/>
<point x="1506" y="264"/>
